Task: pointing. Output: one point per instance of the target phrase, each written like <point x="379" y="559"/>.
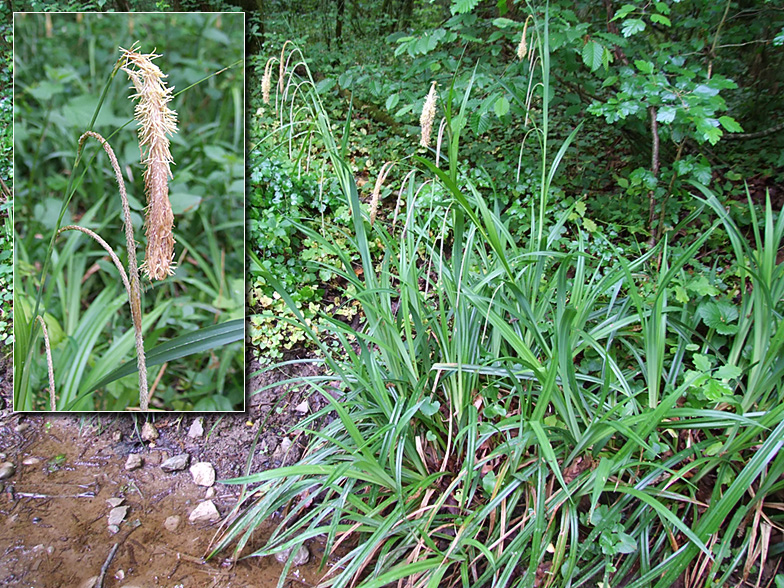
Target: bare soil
<point x="54" y="510"/>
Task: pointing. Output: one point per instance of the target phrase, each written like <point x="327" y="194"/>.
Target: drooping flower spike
<point x="428" y="114"/>
<point x="156" y="121"/>
<point x="522" y="48"/>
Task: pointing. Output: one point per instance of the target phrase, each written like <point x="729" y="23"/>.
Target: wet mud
<point x="69" y="473"/>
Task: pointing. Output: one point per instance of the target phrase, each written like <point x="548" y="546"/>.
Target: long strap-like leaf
<point x="196" y="342"/>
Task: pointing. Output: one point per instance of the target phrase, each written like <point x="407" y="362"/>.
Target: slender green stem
<point x="106" y="246"/>
<point x="134" y="288"/>
<point x="205" y="78"/>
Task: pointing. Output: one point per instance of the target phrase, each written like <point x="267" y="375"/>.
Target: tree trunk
<point x="260" y="8"/>
<point x="324" y="11"/>
<point x="655" y="172"/>
<point x="385" y="16"/>
<point x="404" y="17"/>
<point x="341" y="4"/>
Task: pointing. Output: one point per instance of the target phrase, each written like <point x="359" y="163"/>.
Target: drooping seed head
<point x="156" y="120"/>
<point x="522" y="48"/>
<point x="266" y="82"/>
<point x="282" y="67"/>
<point x="428" y="114"/>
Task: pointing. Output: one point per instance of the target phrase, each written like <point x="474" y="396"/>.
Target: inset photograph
<point x="129" y="212"/>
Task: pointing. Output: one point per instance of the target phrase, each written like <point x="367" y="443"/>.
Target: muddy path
<point x="72" y="513"/>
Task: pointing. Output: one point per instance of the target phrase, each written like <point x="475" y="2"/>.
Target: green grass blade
<point x="196" y="342"/>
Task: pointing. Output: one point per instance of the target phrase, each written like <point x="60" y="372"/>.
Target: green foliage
<point x="57" y="98"/>
<point x="121" y="6"/>
<point x="514" y="360"/>
<point x="688" y="107"/>
<point x="681" y="59"/>
<point x="281" y="198"/>
<point x="612" y="539"/>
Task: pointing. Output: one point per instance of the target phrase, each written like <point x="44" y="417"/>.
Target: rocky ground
<point x="95" y="500"/>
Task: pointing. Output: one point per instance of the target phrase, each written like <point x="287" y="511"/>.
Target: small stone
<point x="120" y="575"/>
<point x="30" y="461"/>
<point x="303" y="407"/>
<point x="117" y="436"/>
<point x="117" y="515"/>
<point x="210" y="493"/>
<point x="176" y="463"/>
<point x="282" y="449"/>
<point x="149" y="432"/>
<point x="301" y="557"/>
<point x="7" y="470"/>
<point x="115" y="502"/>
<point x="197" y="428"/>
<point x="204" y="513"/>
<point x="113" y="529"/>
<point x="89" y="582"/>
<point x="134" y="462"/>
<point x="203" y="473"/>
<point x="21" y="427"/>
<point x="171" y="523"/>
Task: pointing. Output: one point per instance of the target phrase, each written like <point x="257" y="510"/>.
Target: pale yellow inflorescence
<point x="522" y="48"/>
<point x="428" y="114"/>
<point x="156" y="121"/>
<point x="266" y="82"/>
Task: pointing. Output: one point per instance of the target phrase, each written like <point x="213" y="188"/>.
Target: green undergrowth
<point x="381" y="78"/>
<point x="687" y="63"/>
<point x="522" y="400"/>
<point x="82" y="300"/>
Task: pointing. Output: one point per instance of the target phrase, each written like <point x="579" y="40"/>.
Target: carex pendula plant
<point x="513" y="412"/>
<point x="156" y="120"/>
<point x="194" y="314"/>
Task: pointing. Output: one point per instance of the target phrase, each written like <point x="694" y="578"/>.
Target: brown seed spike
<point x="160" y="222"/>
<point x="156" y="121"/>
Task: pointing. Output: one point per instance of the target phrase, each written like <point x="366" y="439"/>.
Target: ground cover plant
<point x="515" y="405"/>
<point x="68" y="276"/>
